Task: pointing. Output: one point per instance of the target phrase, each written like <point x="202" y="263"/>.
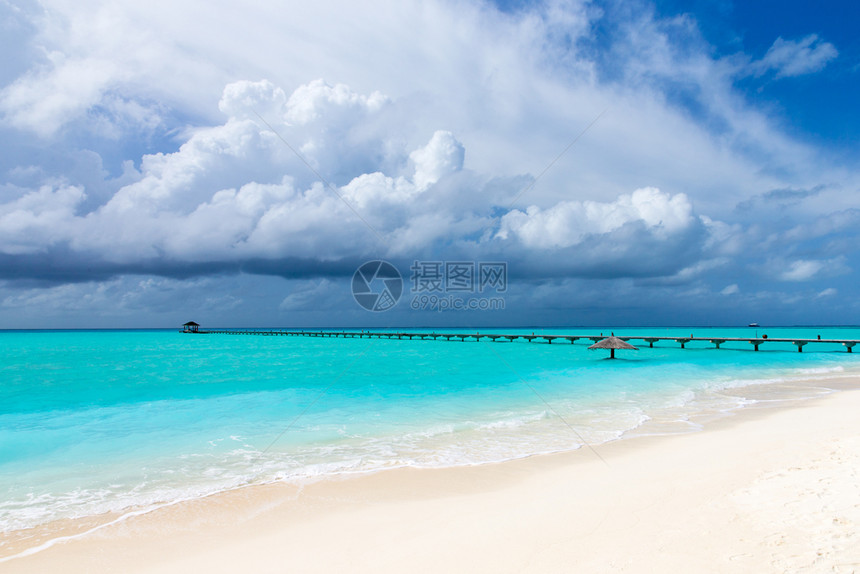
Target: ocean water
<point x="108" y="421"/>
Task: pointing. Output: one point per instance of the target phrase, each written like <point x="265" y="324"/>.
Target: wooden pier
<point x="756" y="342"/>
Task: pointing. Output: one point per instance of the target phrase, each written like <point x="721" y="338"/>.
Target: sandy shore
<point x="767" y="490"/>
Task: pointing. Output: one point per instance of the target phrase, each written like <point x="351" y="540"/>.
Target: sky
<point x="623" y="162"/>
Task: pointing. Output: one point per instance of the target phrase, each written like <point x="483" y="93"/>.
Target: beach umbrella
<point x="612" y="343"/>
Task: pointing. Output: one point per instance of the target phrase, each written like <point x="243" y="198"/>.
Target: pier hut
<point x="190" y="327"/>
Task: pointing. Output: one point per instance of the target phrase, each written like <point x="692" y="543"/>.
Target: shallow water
<point x="103" y="421"/>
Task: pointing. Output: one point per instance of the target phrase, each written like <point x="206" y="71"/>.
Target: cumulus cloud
<point x="246" y="99"/>
<point x="568" y="223"/>
<point x="788" y="58"/>
<point x="240" y="194"/>
<point x="441" y="156"/>
<point x="191" y="173"/>
<point x="38" y="219"/>
<point x="317" y="99"/>
<point x="224" y="197"/>
<point x="516" y="85"/>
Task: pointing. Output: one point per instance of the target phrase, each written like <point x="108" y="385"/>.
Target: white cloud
<point x="223" y="195"/>
<point x="246" y="99"/>
<point x="515" y="88"/>
<point x="801" y="270"/>
<point x="807" y="269"/>
<point x="441" y="156"/>
<point x="43" y="101"/>
<point x="730" y="289"/>
<point x="317" y="99"/>
<point x="414" y="85"/>
<point x="788" y="58"/>
<point x="38" y="219"/>
<point x="568" y="223"/>
<point x="234" y="192"/>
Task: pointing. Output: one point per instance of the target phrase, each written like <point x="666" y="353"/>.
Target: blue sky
<point x="818" y="107"/>
<point x="640" y="163"/>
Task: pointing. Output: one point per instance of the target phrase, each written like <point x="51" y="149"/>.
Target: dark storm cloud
<point x="62" y="266"/>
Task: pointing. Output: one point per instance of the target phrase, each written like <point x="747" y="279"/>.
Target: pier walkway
<point x="756" y="342"/>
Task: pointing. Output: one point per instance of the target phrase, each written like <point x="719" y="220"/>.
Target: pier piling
<point x="849" y="344"/>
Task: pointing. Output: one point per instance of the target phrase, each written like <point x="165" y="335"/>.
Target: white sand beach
<point x="766" y="490"/>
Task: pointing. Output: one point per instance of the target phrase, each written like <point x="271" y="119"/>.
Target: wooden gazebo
<point x="190" y="327"/>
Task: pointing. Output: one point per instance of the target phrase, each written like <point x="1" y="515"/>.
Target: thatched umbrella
<point x="612" y="343"/>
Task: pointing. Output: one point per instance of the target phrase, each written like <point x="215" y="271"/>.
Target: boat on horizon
<point x="753" y="325"/>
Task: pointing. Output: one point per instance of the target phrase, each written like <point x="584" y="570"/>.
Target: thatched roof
<point x="612" y="343"/>
<point x="191" y="324"/>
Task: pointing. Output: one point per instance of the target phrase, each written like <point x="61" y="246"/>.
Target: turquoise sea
<point x="93" y="422"/>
